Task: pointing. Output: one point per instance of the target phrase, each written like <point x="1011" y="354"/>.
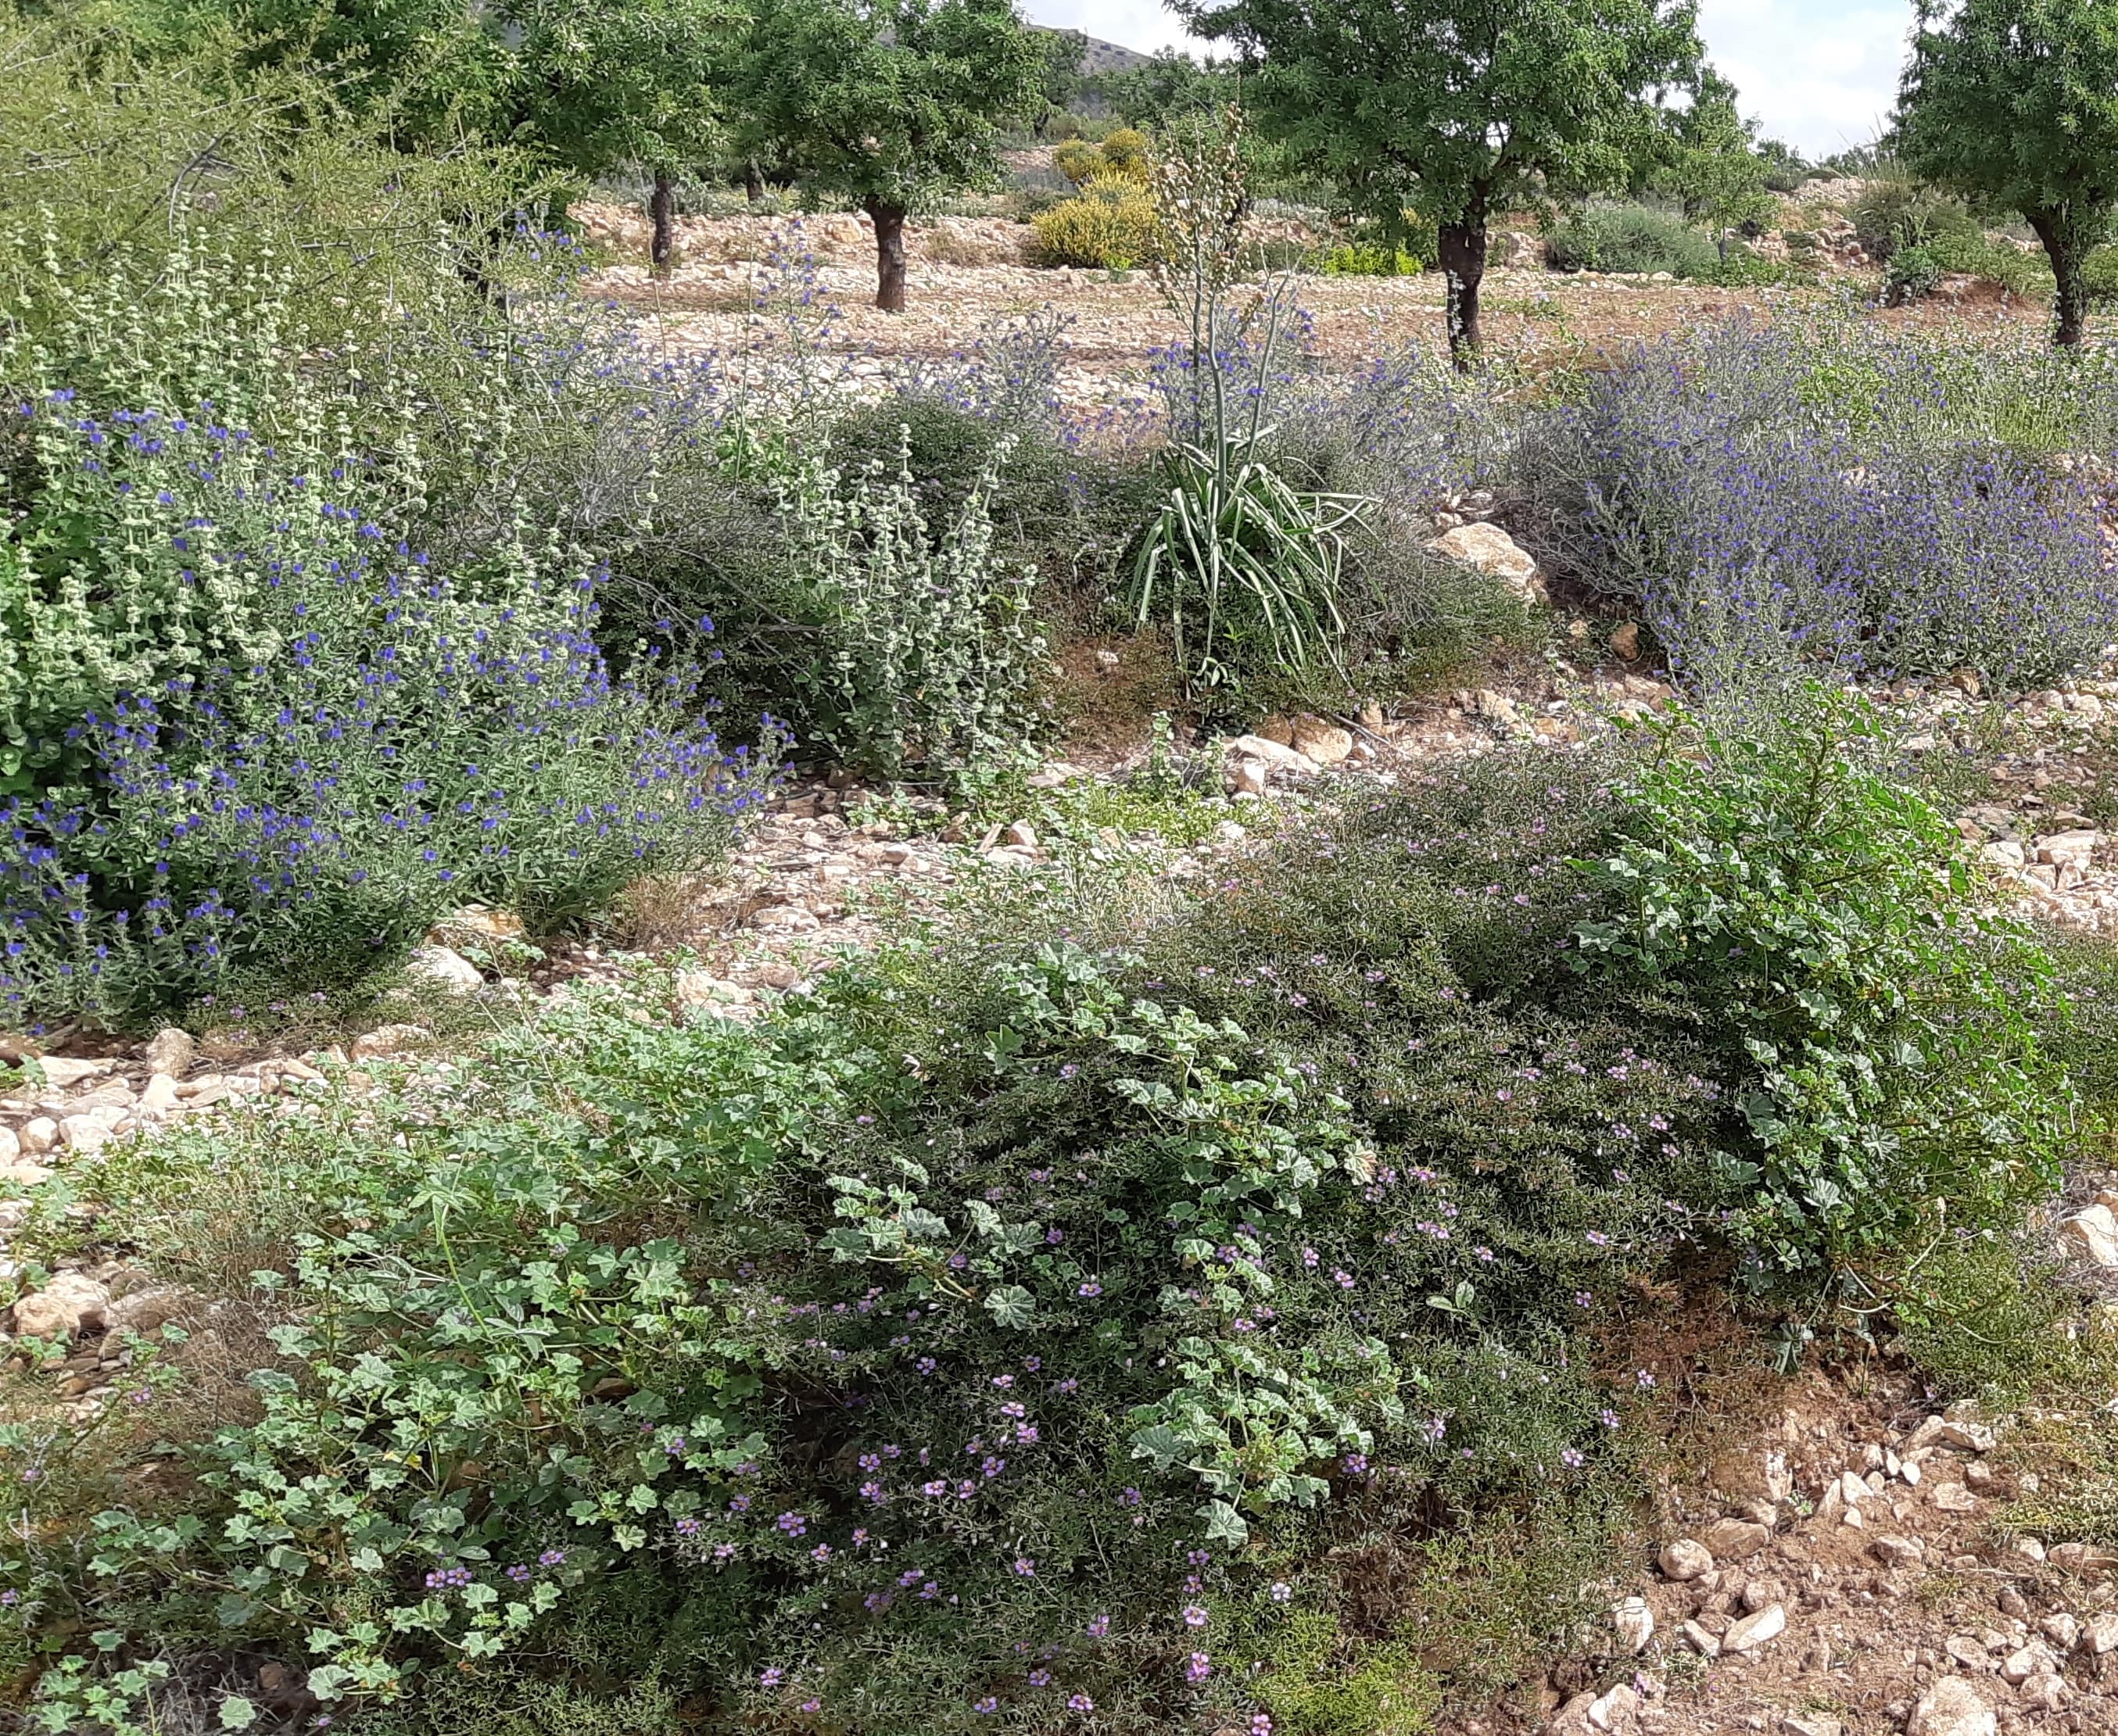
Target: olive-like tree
<point x="619" y="82"/>
<point x="1459" y="110"/>
<point x="888" y="103"/>
<point x="2013" y="104"/>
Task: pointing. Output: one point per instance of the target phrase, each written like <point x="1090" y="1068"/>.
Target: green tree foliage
<point x="2013" y="104"/>
<point x="888" y="103"/>
<point x="1170" y="85"/>
<point x="1712" y="167"/>
<point x="632" y="81"/>
<point x="1458" y="109"/>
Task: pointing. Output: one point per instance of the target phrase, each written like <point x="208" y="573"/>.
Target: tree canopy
<point x="888" y="103"/>
<point x="2013" y="104"/>
<point x="1458" y="109"/>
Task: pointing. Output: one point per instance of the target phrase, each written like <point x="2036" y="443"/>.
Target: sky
<point x="1820" y="74"/>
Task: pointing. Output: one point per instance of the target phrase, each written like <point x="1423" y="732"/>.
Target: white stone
<point x="2099" y="1634"/>
<point x="172" y="1051"/>
<point x="1492" y="551"/>
<point x="1686" y="1559"/>
<point x="2046" y="1692"/>
<point x="65" y="1072"/>
<point x="1021" y="836"/>
<point x="39" y="1135"/>
<point x="2061" y="1629"/>
<point x="1702" y="1642"/>
<point x="1952" y="1707"/>
<point x="2091" y="1235"/>
<point x="1810" y="1724"/>
<point x="448" y="970"/>
<point x="1754" y="1631"/>
<point x="83" y="1134"/>
<point x="1272" y="753"/>
<point x="69" y="1305"/>
<point x="160" y="1096"/>
<point x="1250" y="778"/>
<point x="1615" y="1712"/>
<point x="1635" y="1623"/>
<point x="703" y="988"/>
<point x="388" y="1040"/>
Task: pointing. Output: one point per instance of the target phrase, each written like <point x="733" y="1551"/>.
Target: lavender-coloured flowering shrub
<point x="1769" y="503"/>
<point x="270" y="741"/>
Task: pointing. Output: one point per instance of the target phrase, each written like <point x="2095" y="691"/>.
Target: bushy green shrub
<point x="1002" y="1327"/>
<point x="1914" y="274"/>
<point x="1365" y="259"/>
<point x="1630" y="237"/>
<point x="1112" y="224"/>
<point x="1885" y="1032"/>
<point x="1893" y="213"/>
<point x="928" y="664"/>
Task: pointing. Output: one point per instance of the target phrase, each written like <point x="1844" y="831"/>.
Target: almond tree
<point x="1457" y="110"/>
<point x="2013" y="104"/>
<point x="888" y="103"/>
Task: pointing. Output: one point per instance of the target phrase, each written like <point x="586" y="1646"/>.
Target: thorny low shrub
<point x="1037" y="1316"/>
<point x="1728" y="486"/>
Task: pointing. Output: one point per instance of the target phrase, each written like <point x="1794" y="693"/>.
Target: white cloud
<point x="1144" y="24"/>
<point x="1821" y="75"/>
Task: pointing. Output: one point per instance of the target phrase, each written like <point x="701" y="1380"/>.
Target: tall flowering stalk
<point x="1240" y="562"/>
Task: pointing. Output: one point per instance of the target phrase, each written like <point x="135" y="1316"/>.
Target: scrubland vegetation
<point x="1118" y="1302"/>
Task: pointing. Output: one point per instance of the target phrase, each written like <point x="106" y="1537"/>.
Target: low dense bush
<point x="1630" y="237"/>
<point x="1769" y="502"/>
<point x="1112" y="223"/>
<point x="1365" y="259"/>
<point x="1062" y="1310"/>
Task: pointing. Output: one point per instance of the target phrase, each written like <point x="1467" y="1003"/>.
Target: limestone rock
<point x="1275" y="755"/>
<point x="2099" y="1633"/>
<point x="1625" y="642"/>
<point x="172" y="1051"/>
<point x="39" y="1135"/>
<point x="1686" y="1559"/>
<point x="1323" y="742"/>
<point x="1635" y="1624"/>
<point x="703" y="988"/>
<point x="438" y="967"/>
<point x="1754" y="1631"/>
<point x="1952" y="1707"/>
<point x="160" y="1097"/>
<point x="1736" y="1540"/>
<point x="1617" y="1712"/>
<point x="83" y="1134"/>
<point x="2091" y="1235"/>
<point x="1494" y="553"/>
<point x="1497" y="709"/>
<point x="65" y="1072"/>
<point x="1021" y="836"/>
<point x="1701" y="1641"/>
<point x="70" y="1304"/>
<point x="388" y="1040"/>
<point x="1250" y="778"/>
<point x="1810" y="1724"/>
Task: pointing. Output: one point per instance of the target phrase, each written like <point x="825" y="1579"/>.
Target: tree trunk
<point x="1463" y="268"/>
<point x="753" y="182"/>
<point x="889" y="221"/>
<point x="661" y="208"/>
<point x="2067" y="249"/>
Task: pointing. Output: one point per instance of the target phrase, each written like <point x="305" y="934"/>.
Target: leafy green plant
<point x="1884" y="1033"/>
<point x="1914" y="274"/>
<point x="1630" y="237"/>
<point x="1113" y="220"/>
<point x="928" y="665"/>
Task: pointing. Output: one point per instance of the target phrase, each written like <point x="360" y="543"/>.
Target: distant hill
<point x="1101" y="57"/>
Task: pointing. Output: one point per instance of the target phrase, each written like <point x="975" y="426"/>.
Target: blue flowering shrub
<point x="1769" y="502"/>
<point x="1090" y="1304"/>
<point x="257" y="738"/>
